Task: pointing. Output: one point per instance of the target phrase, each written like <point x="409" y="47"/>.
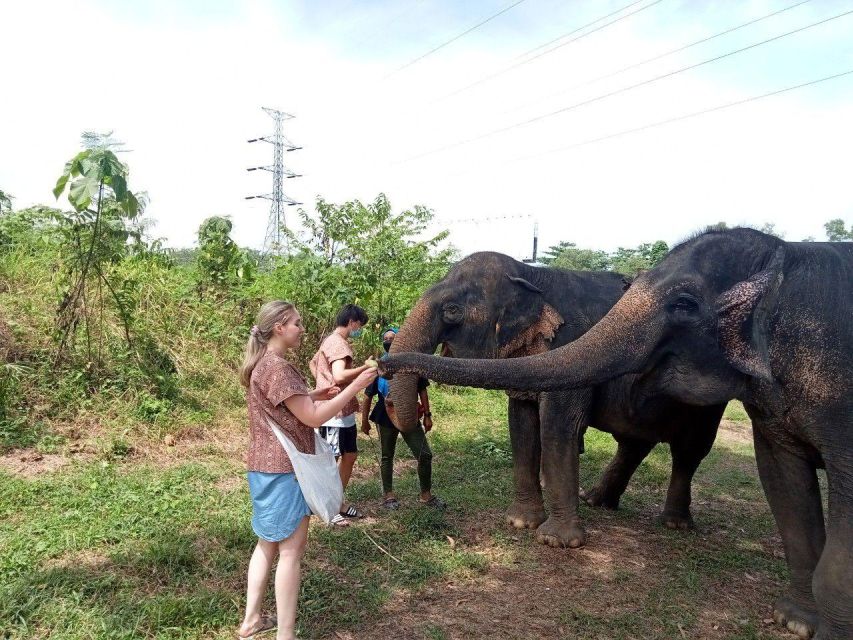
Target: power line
<point x="559" y="46"/>
<point x="621" y="90"/>
<point x="668" y="53"/>
<point x="581" y="28"/>
<point x="476" y="221"/>
<point x="385" y="26"/>
<point x="687" y="116"/>
<point x="455" y="38"/>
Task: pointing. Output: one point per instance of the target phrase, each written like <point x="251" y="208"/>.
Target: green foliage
<point x="144" y="350"/>
<point x="13" y="429"/>
<point x="567" y="255"/>
<point x="360" y="253"/>
<point x="5" y="201"/>
<point x="221" y="263"/>
<point x="635" y="261"/>
<point x="836" y="231"/>
<point x="770" y="229"/>
<point x="93" y="174"/>
<point x="102" y="252"/>
<point x="33" y="230"/>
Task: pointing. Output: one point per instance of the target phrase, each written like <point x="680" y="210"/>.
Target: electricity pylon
<point x="276" y="236"/>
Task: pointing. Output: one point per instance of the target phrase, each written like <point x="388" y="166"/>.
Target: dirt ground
<point x="609" y="589"/>
<point x="606" y="590"/>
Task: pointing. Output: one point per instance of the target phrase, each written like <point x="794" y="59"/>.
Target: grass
<point x="154" y="544"/>
<point x="735" y="412"/>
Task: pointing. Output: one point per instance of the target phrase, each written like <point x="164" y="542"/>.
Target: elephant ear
<point x="526" y="322"/>
<point x="743" y="313"/>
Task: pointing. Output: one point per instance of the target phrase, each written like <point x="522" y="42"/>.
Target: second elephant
<point x="491" y="306"/>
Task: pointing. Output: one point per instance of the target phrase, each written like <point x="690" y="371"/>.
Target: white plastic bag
<point x="316" y="473"/>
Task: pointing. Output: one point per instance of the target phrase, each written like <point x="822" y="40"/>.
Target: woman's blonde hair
<point x="271" y="314"/>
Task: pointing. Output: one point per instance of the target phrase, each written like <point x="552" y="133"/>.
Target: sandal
<point x="392" y="504"/>
<point x="263" y="625"/>
<point x="338" y="521"/>
<point x="352" y="512"/>
<point x="435" y="502"/>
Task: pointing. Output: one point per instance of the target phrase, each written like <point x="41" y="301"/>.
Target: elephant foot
<point x="523" y="515"/>
<point x="561" y="533"/>
<point x="677" y="521"/>
<point x="598" y="497"/>
<point x="795" y="616"/>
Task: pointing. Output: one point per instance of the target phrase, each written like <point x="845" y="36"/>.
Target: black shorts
<point x="341" y="439"/>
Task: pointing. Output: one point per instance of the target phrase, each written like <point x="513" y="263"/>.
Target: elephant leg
<point x="790" y="484"/>
<point x="629" y="454"/>
<point x="527" y="512"/>
<point x="688" y="451"/>
<point x="833" y="577"/>
<point x="562" y="416"/>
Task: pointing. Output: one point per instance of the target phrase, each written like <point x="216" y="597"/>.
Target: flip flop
<point x="339" y="521"/>
<point x="264" y="624"/>
<point x="435" y="502"/>
<point x="352" y="512"/>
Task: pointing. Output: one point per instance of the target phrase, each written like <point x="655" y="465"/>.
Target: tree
<point x="370" y="251"/>
<point x="32" y="230"/>
<point x="5" y="202"/>
<point x="634" y="261"/>
<point x="95" y="236"/>
<point x="221" y="263"/>
<point x="836" y="231"/>
<point x="567" y="255"/>
<point x="629" y="261"/>
<point x="770" y="229"/>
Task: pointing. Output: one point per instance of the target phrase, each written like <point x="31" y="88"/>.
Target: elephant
<point x="491" y="306"/>
<point x="740" y="314"/>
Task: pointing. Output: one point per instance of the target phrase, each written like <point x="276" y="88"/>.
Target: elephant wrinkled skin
<point x="738" y="314"/>
<point x="491" y="306"/>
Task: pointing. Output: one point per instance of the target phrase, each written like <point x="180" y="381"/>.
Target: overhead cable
<point x="574" y="31"/>
<point x="622" y="90"/>
<point x="552" y="49"/>
<point x="386" y="26"/>
<point x="687" y="116"/>
<point x="668" y="53"/>
<point x="455" y="38"/>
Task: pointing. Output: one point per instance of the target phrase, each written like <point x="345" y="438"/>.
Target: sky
<point x="182" y="83"/>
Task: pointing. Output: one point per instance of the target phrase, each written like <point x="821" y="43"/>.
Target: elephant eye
<point x="452" y="313"/>
<point x="685" y="304"/>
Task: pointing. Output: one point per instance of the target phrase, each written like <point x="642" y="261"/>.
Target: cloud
<point x="183" y="84"/>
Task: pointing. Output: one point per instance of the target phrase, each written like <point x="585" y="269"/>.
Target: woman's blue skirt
<point x="277" y="505"/>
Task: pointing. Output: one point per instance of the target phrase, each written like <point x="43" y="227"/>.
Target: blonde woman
<point x="276" y="390"/>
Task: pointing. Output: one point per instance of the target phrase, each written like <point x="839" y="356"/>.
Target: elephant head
<point x="486" y="307"/>
<point x="697" y="322"/>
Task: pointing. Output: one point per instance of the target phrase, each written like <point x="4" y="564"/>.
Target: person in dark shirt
<point x="416" y="438"/>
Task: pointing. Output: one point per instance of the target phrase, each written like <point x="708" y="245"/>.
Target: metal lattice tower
<point x="276" y="238"/>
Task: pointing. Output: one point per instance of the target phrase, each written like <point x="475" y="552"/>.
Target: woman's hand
<point x="365" y="427"/>
<point x="326" y="393"/>
<point x="364" y="378"/>
<point x="427" y="424"/>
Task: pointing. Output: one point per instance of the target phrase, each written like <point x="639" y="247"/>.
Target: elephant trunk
<point x="418" y="334"/>
<point x="618" y="344"/>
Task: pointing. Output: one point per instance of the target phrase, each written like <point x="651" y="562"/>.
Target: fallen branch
<point x="378" y="546"/>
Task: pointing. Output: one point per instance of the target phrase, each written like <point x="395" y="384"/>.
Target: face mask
<point x="386" y="345"/>
<point x="355" y="334"/>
